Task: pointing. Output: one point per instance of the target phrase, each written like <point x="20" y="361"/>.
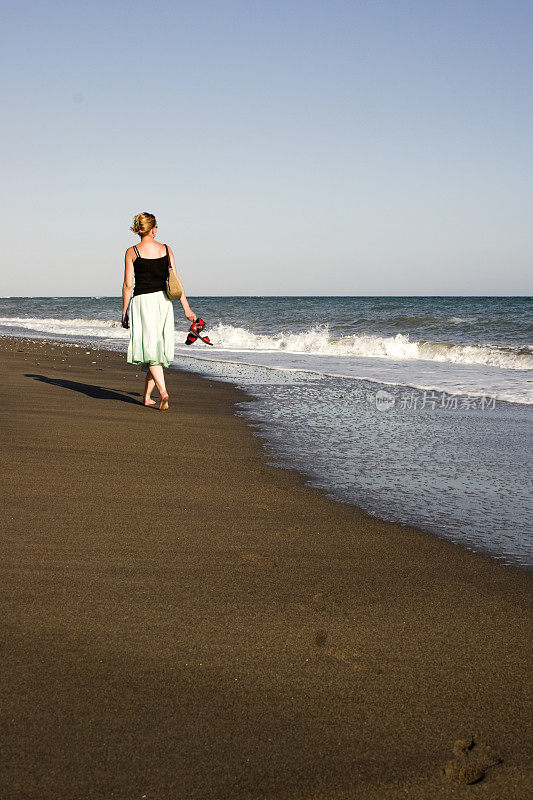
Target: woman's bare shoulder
<point x="160" y="247"/>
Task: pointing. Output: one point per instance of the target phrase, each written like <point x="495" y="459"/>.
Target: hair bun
<point x="143" y="223"/>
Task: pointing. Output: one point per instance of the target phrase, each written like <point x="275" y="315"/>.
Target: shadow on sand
<point x="96" y="392"/>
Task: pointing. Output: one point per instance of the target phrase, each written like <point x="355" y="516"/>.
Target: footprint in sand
<point x="323" y="602"/>
<point x="347" y="656"/>
<point x="321" y="638"/>
<point x="472" y="760"/>
<point x="284" y="534"/>
<point x="351" y="658"/>
<point x="253" y="557"/>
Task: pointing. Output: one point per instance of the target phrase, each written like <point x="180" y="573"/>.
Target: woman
<point x="152" y="314"/>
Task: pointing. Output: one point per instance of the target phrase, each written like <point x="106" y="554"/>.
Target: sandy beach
<point x="183" y="621"/>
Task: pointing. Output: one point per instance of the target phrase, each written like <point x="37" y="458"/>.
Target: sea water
<point x="417" y="409"/>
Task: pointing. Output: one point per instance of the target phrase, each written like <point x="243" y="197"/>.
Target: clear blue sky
<point x="286" y="147"/>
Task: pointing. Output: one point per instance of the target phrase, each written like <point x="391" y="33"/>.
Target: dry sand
<point x="182" y="621"/>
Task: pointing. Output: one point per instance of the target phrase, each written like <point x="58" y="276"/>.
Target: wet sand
<point x="182" y="621"/>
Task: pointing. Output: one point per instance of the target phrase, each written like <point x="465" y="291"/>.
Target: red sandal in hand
<point x="195" y="333"/>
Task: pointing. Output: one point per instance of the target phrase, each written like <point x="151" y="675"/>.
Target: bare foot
<point x="163" y="405"/>
<point x="148" y="401"/>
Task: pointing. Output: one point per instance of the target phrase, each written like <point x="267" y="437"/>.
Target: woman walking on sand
<point x="152" y="314"/>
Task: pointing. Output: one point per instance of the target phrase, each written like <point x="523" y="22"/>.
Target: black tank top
<point x="150" y="273"/>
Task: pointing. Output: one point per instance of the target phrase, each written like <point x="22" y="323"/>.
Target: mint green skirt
<point x="151" y="330"/>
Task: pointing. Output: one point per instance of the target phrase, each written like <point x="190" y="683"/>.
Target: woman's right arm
<point x="127" y="286"/>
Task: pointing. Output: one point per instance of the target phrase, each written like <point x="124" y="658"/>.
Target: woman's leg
<point x="156" y="371"/>
<point x="148" y="389"/>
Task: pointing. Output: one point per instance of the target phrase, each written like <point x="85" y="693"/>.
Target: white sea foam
<point x="67" y="327"/>
<point x="318" y="341"/>
<point x="472" y="380"/>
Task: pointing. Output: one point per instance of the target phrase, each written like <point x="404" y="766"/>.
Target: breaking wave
<point x="318" y="341"/>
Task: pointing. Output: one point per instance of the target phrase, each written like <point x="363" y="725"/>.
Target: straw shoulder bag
<point x="173" y="285"/>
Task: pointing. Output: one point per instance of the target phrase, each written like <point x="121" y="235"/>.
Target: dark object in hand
<point x="195" y="332"/>
<point x="126" y="320"/>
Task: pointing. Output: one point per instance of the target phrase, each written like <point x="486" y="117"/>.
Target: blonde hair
<point x="143" y="223"/>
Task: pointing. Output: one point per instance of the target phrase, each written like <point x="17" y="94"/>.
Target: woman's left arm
<point x="184" y="302"/>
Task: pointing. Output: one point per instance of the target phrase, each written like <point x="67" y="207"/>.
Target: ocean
<point x="417" y="409"/>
